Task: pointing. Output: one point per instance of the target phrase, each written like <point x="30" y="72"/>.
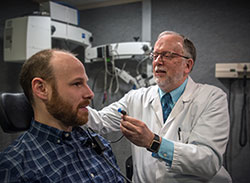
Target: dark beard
<point x="63" y="111"/>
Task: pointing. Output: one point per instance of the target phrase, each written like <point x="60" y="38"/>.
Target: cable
<point x="115" y="75"/>
<point x="99" y="147"/>
<point x="139" y="64"/>
<point x="115" y="141"/>
<point x="105" y="76"/>
<point x="116" y="168"/>
<point x="124" y="113"/>
<point x="93" y="85"/>
<point x="228" y="155"/>
<point x="243" y="128"/>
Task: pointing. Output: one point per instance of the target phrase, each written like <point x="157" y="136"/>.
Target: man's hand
<point x="136" y="131"/>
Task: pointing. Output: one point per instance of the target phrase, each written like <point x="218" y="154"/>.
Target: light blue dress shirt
<point x="167" y="147"/>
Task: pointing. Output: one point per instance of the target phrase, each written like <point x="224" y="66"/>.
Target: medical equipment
<point x="118" y="51"/>
<point x="232" y="70"/>
<point x="27" y="35"/>
<point x="123" y="50"/>
<point x="21" y="38"/>
<point x="60" y="12"/>
<point x="122" y="111"/>
<point x="24" y="36"/>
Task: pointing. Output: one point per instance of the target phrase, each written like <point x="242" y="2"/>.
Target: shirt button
<point x="66" y="134"/>
<point x="92" y="175"/>
<point x="165" y="155"/>
<point x="58" y="141"/>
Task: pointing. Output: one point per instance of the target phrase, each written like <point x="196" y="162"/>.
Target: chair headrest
<point x="16" y="112"/>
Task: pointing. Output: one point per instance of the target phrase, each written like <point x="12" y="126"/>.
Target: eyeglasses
<point x="167" y="55"/>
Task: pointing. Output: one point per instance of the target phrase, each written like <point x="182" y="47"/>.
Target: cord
<point x="105" y="76"/>
<point x="139" y="64"/>
<point x="243" y="128"/>
<point x="111" y="142"/>
<point x="99" y="147"/>
<point x="112" y="73"/>
<point x="115" y="141"/>
<point x="115" y="75"/>
<point x="116" y="168"/>
<point x="93" y="85"/>
<point x="229" y="144"/>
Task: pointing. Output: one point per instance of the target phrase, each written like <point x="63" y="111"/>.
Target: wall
<point x="219" y="29"/>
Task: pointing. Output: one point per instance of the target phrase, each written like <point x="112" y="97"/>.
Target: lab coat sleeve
<point x="202" y="154"/>
<point x="108" y="119"/>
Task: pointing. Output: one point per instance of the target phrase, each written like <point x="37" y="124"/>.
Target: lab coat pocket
<point x="184" y="136"/>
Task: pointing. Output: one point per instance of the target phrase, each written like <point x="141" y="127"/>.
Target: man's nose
<point x="88" y="93"/>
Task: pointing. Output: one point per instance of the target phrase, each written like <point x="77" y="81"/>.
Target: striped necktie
<point x="166" y="109"/>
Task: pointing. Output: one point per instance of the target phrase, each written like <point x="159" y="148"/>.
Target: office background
<point x="219" y="29"/>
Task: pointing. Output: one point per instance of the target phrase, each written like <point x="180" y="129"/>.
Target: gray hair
<point x="188" y="45"/>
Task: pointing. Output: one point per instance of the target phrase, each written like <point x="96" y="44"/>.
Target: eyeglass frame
<point x="164" y="57"/>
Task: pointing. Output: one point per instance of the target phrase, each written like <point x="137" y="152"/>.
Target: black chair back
<point x="16" y="112"/>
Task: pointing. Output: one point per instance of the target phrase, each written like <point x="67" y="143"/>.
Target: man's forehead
<point x="67" y="65"/>
<point x="171" y="37"/>
<point x="65" y="59"/>
<point x="173" y="41"/>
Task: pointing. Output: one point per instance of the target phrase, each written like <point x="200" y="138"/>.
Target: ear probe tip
<point x="122" y="111"/>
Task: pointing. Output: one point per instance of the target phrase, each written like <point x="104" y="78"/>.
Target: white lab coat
<point x="202" y="115"/>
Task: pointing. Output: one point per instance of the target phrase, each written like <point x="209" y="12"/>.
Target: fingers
<point x="136" y="131"/>
<point x="128" y="125"/>
<point x="130" y="134"/>
<point x="133" y="125"/>
<point x="132" y="120"/>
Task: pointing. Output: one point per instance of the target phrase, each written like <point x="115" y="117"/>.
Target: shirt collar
<point x="176" y="93"/>
<point x="45" y="132"/>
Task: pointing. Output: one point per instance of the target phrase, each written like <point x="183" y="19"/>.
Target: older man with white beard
<point x="179" y="129"/>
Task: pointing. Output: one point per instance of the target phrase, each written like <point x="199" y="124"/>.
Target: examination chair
<point x="15" y="112"/>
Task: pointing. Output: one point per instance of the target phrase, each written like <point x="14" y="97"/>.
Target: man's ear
<point x="40" y="88"/>
<point x="189" y="65"/>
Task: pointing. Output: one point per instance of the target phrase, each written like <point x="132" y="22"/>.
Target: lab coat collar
<point x="187" y="94"/>
<point x="186" y="97"/>
<point x="190" y="89"/>
<point x="154" y="100"/>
